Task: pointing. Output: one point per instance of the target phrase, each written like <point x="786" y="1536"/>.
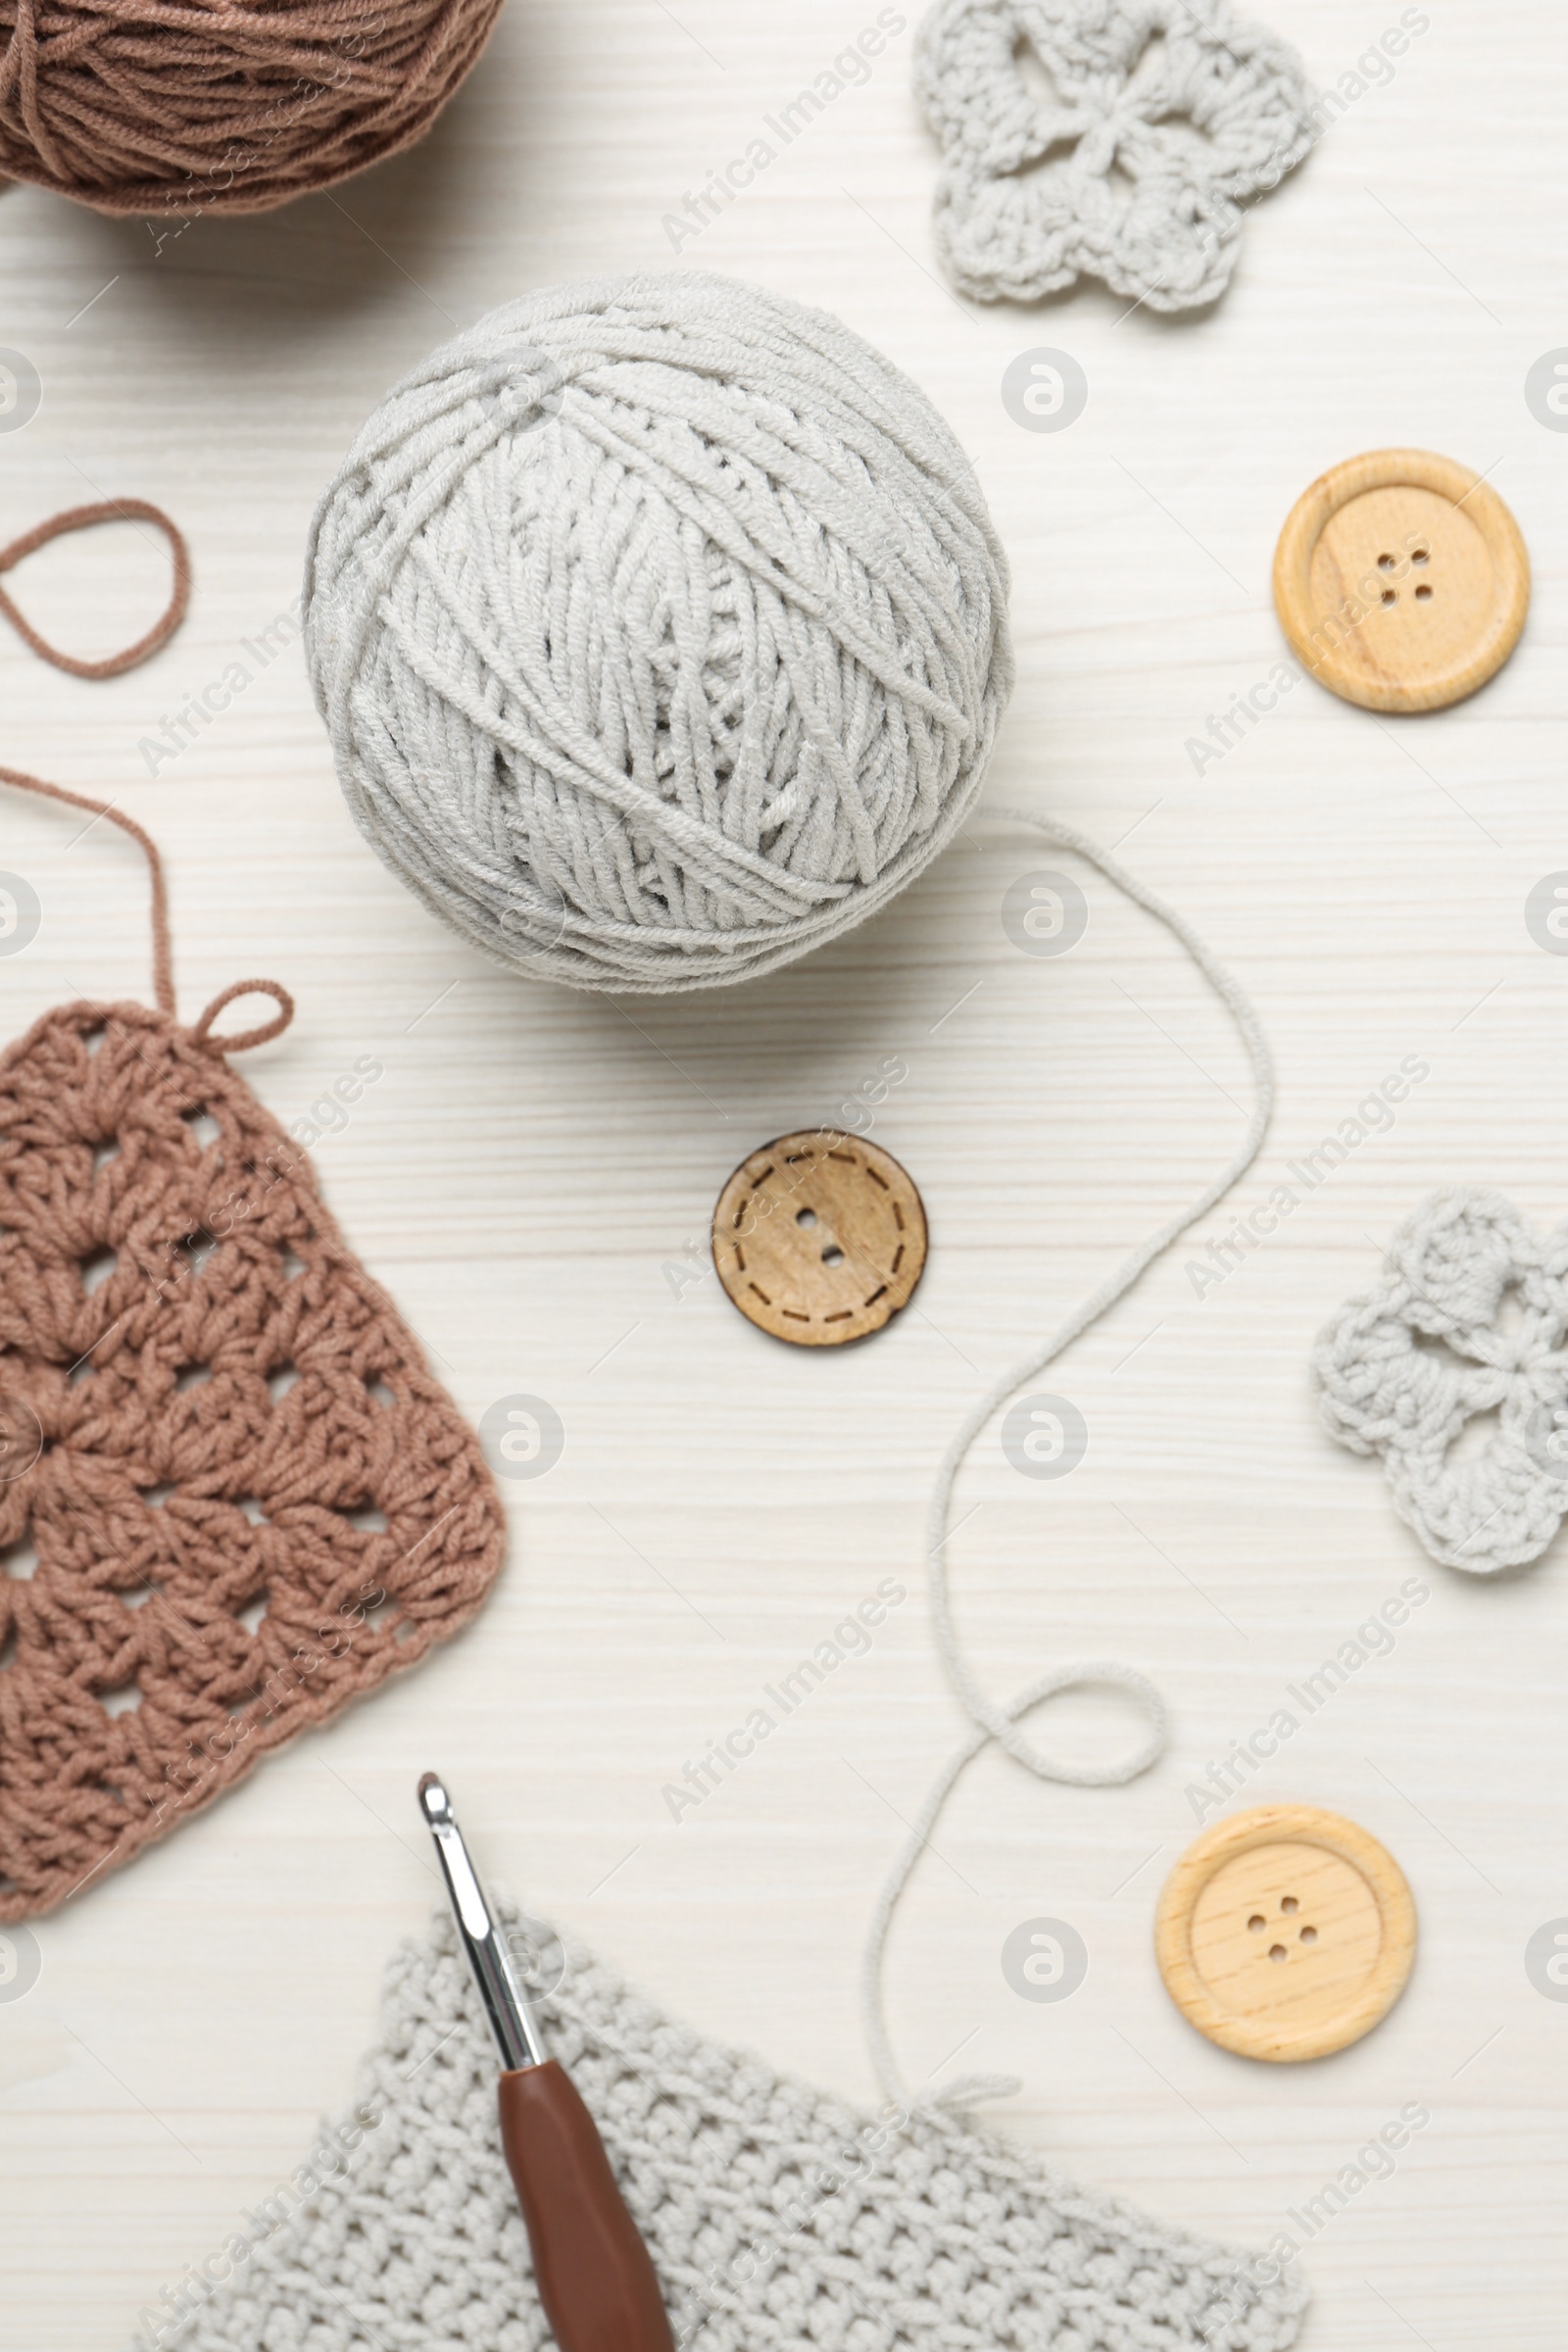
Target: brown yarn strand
<point x="163" y="954"/>
<point x="85" y="519"/>
<point x="171" y="107"/>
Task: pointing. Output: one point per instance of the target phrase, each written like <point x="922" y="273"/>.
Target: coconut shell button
<point x="820" y="1237"/>
<point x="1401" y="580"/>
<point x="1286" y="1932"/>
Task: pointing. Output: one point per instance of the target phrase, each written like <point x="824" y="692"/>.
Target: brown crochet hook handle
<point x="163" y="956"/>
<point x="595" y="2277"/>
<point x="83" y="519"/>
<point x="592" y="2269"/>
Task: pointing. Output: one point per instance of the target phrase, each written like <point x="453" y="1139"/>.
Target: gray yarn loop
<point x="1000" y="1723"/>
<point x="660" y="631"/>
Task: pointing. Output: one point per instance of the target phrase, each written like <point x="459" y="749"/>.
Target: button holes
<point x="840" y="1315"/>
<point x="875" y="1178"/>
<point x="897" y="1216"/>
<point x="1422" y="555"/>
<point x="896" y="1257"/>
<point x="763" y="1179"/>
<point x="850" y="1161"/>
<point x="1308" y="1936"/>
<point x="1255" y="1922"/>
<point x="762" y="1293"/>
<point x="1390" y="596"/>
<point x="792" y="1314"/>
<point x="876" y="1295"/>
<point x="740" y="1258"/>
<point x="796" y="1159"/>
<point x="832" y="1256"/>
<point x="1290" y="1904"/>
<point x="1277" y="1952"/>
<point x="1384" y="562"/>
<point x="806" y="1216"/>
<point x="1423" y="595"/>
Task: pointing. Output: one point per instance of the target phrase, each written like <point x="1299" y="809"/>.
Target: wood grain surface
<point x="1286" y="1932"/>
<point x="533" y="1175"/>
<point x="820" y="1238"/>
<point x="1401" y="580"/>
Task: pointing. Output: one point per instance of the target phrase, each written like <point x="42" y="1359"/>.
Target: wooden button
<point x="820" y="1237"/>
<point x="1401" y="580"/>
<point x="1286" y="1932"/>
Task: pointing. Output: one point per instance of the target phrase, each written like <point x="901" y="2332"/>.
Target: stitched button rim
<point x="1391" y="469"/>
<point x="859" y="1326"/>
<point x="1277" y="1824"/>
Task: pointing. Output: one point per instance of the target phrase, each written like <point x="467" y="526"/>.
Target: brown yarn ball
<point x="222" y="106"/>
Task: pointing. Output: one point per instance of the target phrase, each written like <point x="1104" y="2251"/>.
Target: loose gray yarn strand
<point x="1001" y="1723"/>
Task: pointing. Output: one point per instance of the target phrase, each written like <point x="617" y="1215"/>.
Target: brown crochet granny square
<point x="232" y="1498"/>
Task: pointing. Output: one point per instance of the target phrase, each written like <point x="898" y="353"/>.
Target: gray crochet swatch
<point x="1469" y="1317"/>
<point x="1215" y="115"/>
<point x="779" y="2219"/>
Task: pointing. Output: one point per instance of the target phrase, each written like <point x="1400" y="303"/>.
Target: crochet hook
<point x="595" y="2279"/>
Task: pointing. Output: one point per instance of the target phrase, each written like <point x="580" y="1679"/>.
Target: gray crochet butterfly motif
<point x="1468" y="1321"/>
<point x="1116" y="139"/>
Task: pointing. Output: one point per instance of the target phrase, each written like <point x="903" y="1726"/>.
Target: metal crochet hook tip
<point x="505" y="2005"/>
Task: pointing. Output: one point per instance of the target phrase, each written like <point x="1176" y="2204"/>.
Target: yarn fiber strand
<point x="661" y="630"/>
<point x="1001" y="1722"/>
<point x="170" y="106"/>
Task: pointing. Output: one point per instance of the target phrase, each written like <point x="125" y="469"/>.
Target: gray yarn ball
<point x="661" y="630"/>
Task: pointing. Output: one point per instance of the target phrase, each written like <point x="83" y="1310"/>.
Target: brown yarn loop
<point x="163" y="956"/>
<point x="202" y="1033"/>
<point x="83" y="519"/>
<point x="174" y="107"/>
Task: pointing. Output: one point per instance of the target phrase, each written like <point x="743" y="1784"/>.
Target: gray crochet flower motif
<point x="1468" y="1319"/>
<point x="1038" y="103"/>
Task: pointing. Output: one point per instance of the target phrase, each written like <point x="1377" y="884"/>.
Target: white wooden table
<point x="533" y="1161"/>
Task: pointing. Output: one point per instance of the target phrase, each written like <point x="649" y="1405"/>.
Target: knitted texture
<point x="231" y="1496"/>
<point x="661" y="630"/>
<point x="1469" y="1319"/>
<point x="778" y="2219"/>
<point x="177" y="107"/>
<point x="1196" y="110"/>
